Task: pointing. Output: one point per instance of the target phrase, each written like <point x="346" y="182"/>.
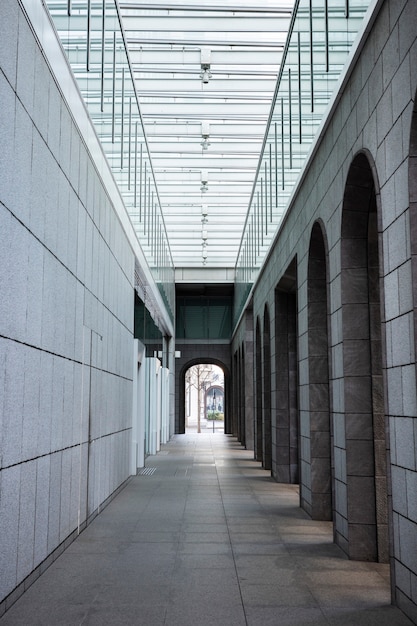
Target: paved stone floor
<point x="207" y="538"/>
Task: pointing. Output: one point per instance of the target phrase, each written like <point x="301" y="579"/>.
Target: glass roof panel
<point x="205" y="166"/>
<point x="205" y="75"/>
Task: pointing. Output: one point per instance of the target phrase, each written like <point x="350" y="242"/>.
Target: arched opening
<point x="258" y="395"/>
<point x="285" y="448"/>
<point x="242" y="387"/>
<point x="364" y="416"/>
<point x="180" y="411"/>
<point x="266" y="402"/>
<point x="316" y="498"/>
<point x="236" y="395"/>
<point x="239" y="391"/>
<point x="204" y="396"/>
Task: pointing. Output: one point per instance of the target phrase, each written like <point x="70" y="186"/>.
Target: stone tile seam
<point x="66" y="358"/>
<point x="74" y="446"/>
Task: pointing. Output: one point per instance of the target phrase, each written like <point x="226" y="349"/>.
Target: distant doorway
<point x="204" y="398"/>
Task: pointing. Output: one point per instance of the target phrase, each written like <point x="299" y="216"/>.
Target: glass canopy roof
<point x="204" y="142"/>
<point x="206" y="75"/>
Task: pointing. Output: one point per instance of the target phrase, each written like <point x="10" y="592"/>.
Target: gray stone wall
<point x="373" y="118"/>
<point x="66" y="317"/>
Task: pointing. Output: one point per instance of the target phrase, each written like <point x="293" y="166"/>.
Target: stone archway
<point x="266" y="396"/>
<point x="285" y="449"/>
<point x="181" y="389"/>
<point x="242" y="404"/>
<point x="319" y="502"/>
<point x="364" y="416"/>
<point x="258" y="395"/>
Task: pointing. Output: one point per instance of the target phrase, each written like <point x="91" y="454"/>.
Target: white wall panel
<point x="67" y="292"/>
<point x="9" y="522"/>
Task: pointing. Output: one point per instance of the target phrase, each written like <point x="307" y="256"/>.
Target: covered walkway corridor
<point x="204" y="536"/>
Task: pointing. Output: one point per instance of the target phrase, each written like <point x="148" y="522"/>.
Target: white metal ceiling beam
<point x="225" y="233"/>
<point x="195" y="153"/>
<point x="193" y="175"/>
<point x="231" y="230"/>
<point x="222" y="210"/>
<point x="217" y="129"/>
<point x="217" y="144"/>
<point x="272" y="44"/>
<point x="204" y="98"/>
<point x="283" y="9"/>
<point x="198" y="24"/>
<point x="192" y="56"/>
<point x="191" y="86"/>
<point x="205" y="110"/>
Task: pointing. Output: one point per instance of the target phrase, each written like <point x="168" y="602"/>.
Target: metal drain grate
<point x="146" y="471"/>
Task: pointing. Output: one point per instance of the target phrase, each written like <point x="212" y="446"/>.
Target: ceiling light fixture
<point x="205" y="134"/>
<point x="204" y="181"/>
<point x="205" y="60"/>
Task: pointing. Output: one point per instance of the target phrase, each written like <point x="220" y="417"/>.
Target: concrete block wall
<point x="374" y="116"/>
<point x="66" y="317"/>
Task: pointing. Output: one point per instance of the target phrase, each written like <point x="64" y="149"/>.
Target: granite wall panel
<point x="9" y="520"/>
<point x="40" y="550"/>
<point x="26" y="526"/>
<point x="65" y="280"/>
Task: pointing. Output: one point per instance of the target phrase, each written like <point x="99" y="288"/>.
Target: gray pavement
<point x="206" y="538"/>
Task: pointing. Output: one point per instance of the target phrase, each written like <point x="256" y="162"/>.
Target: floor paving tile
<point x="277" y="595"/>
<point x="206" y="539"/>
<point x="382" y="616"/>
<point x="285" y="616"/>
